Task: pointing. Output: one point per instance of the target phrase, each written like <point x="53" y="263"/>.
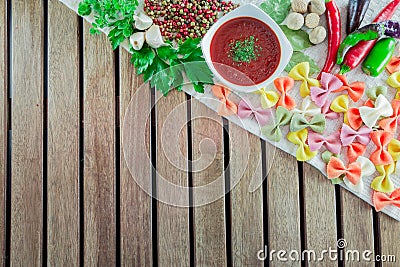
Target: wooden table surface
<point x="67" y="195"/>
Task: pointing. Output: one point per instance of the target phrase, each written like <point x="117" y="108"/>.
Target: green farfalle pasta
<point x="300" y="122"/>
<point x="273" y="132"/>
<point x="374" y="92"/>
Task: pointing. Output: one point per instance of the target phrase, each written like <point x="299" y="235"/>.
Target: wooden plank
<point x="320" y="213"/>
<point x="3" y="124"/>
<point x="283" y="204"/>
<point x="63" y="137"/>
<point x="27" y="133"/>
<point x="246" y="207"/>
<point x="208" y="166"/>
<point x="136" y="236"/>
<point x="357" y="225"/>
<point x="389" y="230"/>
<point x="99" y="151"/>
<point x="173" y="221"/>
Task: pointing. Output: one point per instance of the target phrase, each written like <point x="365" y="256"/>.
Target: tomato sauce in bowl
<point x="245" y="51"/>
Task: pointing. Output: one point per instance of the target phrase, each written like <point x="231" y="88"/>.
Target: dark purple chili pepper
<point x="392" y="28"/>
<point x="388" y="28"/>
<point x="355" y="14"/>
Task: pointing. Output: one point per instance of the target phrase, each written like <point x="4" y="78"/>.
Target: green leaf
<point x="276" y="9"/>
<point x="188" y="46"/>
<point x="198" y="72"/>
<point x="199" y="87"/>
<point x="298" y="39"/>
<point x="299" y="57"/>
<point x="167" y="53"/>
<point x="143" y="59"/>
<point x="84" y="9"/>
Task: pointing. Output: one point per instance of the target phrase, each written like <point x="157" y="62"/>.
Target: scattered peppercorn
<point x="187" y="18"/>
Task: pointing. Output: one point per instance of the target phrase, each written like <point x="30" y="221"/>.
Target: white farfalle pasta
<point x="367" y="169"/>
<point x="137" y="40"/>
<point x="142" y="21"/>
<point x="382" y="108"/>
<point x="153" y="37"/>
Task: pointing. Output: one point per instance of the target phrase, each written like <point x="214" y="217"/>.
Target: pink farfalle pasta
<point x="246" y="110"/>
<point x="329" y="83"/>
<point x="331" y="142"/>
<point x="348" y="135"/>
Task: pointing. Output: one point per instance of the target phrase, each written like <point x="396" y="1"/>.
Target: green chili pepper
<point x="379" y="57"/>
<point x="366" y="33"/>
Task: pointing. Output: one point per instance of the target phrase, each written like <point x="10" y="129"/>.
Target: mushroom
<point x="137" y="40"/>
<point x="142" y="21"/>
<point x="317" y="6"/>
<point x="300" y="6"/>
<point x="153" y="37"/>
<point x="294" y="21"/>
<point x="312" y="20"/>
<point x="317" y="35"/>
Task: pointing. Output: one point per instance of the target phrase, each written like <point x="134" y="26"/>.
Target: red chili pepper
<point x="358" y="53"/>
<point x="334" y="31"/>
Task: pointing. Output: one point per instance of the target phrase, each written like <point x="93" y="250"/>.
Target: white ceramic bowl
<point x="248" y="10"/>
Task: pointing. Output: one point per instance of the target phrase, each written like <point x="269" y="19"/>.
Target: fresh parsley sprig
<point x="166" y="65"/>
<point x="114" y="14"/>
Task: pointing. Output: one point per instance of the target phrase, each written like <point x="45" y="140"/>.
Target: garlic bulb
<point x="153" y="37"/>
<point x="142" y="22"/>
<point x="137" y="40"/>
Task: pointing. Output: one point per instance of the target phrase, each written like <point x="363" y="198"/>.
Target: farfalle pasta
<point x="383" y="183"/>
<point x="354" y="90"/>
<point x="227" y="107"/>
<point x="268" y="98"/>
<point x="301" y="72"/>
<point x="299" y="138"/>
<point x="284" y="85"/>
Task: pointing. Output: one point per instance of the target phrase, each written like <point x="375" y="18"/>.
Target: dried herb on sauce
<point x="244" y="51"/>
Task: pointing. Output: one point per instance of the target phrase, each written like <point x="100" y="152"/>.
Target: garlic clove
<point x="137" y="40"/>
<point x="154" y="37"/>
<point x="142" y="21"/>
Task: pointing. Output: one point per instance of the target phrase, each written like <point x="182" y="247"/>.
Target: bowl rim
<point x="248" y="10"/>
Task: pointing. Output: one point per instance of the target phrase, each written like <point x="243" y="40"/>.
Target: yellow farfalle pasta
<point x="340" y="105"/>
<point x="299" y="138"/>
<point x="383" y="182"/>
<point x="301" y="72"/>
<point x="269" y="98"/>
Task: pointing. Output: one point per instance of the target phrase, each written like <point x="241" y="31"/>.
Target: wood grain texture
<point x="320" y="213"/>
<point x="246" y="207"/>
<point x="63" y="137"/>
<point x="3" y="124"/>
<point x="208" y="166"/>
<point x="27" y="133"/>
<point x="357" y="225"/>
<point x="283" y="204"/>
<point x="99" y="151"/>
<point x="136" y="236"/>
<point x="389" y="230"/>
<point x="172" y="164"/>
